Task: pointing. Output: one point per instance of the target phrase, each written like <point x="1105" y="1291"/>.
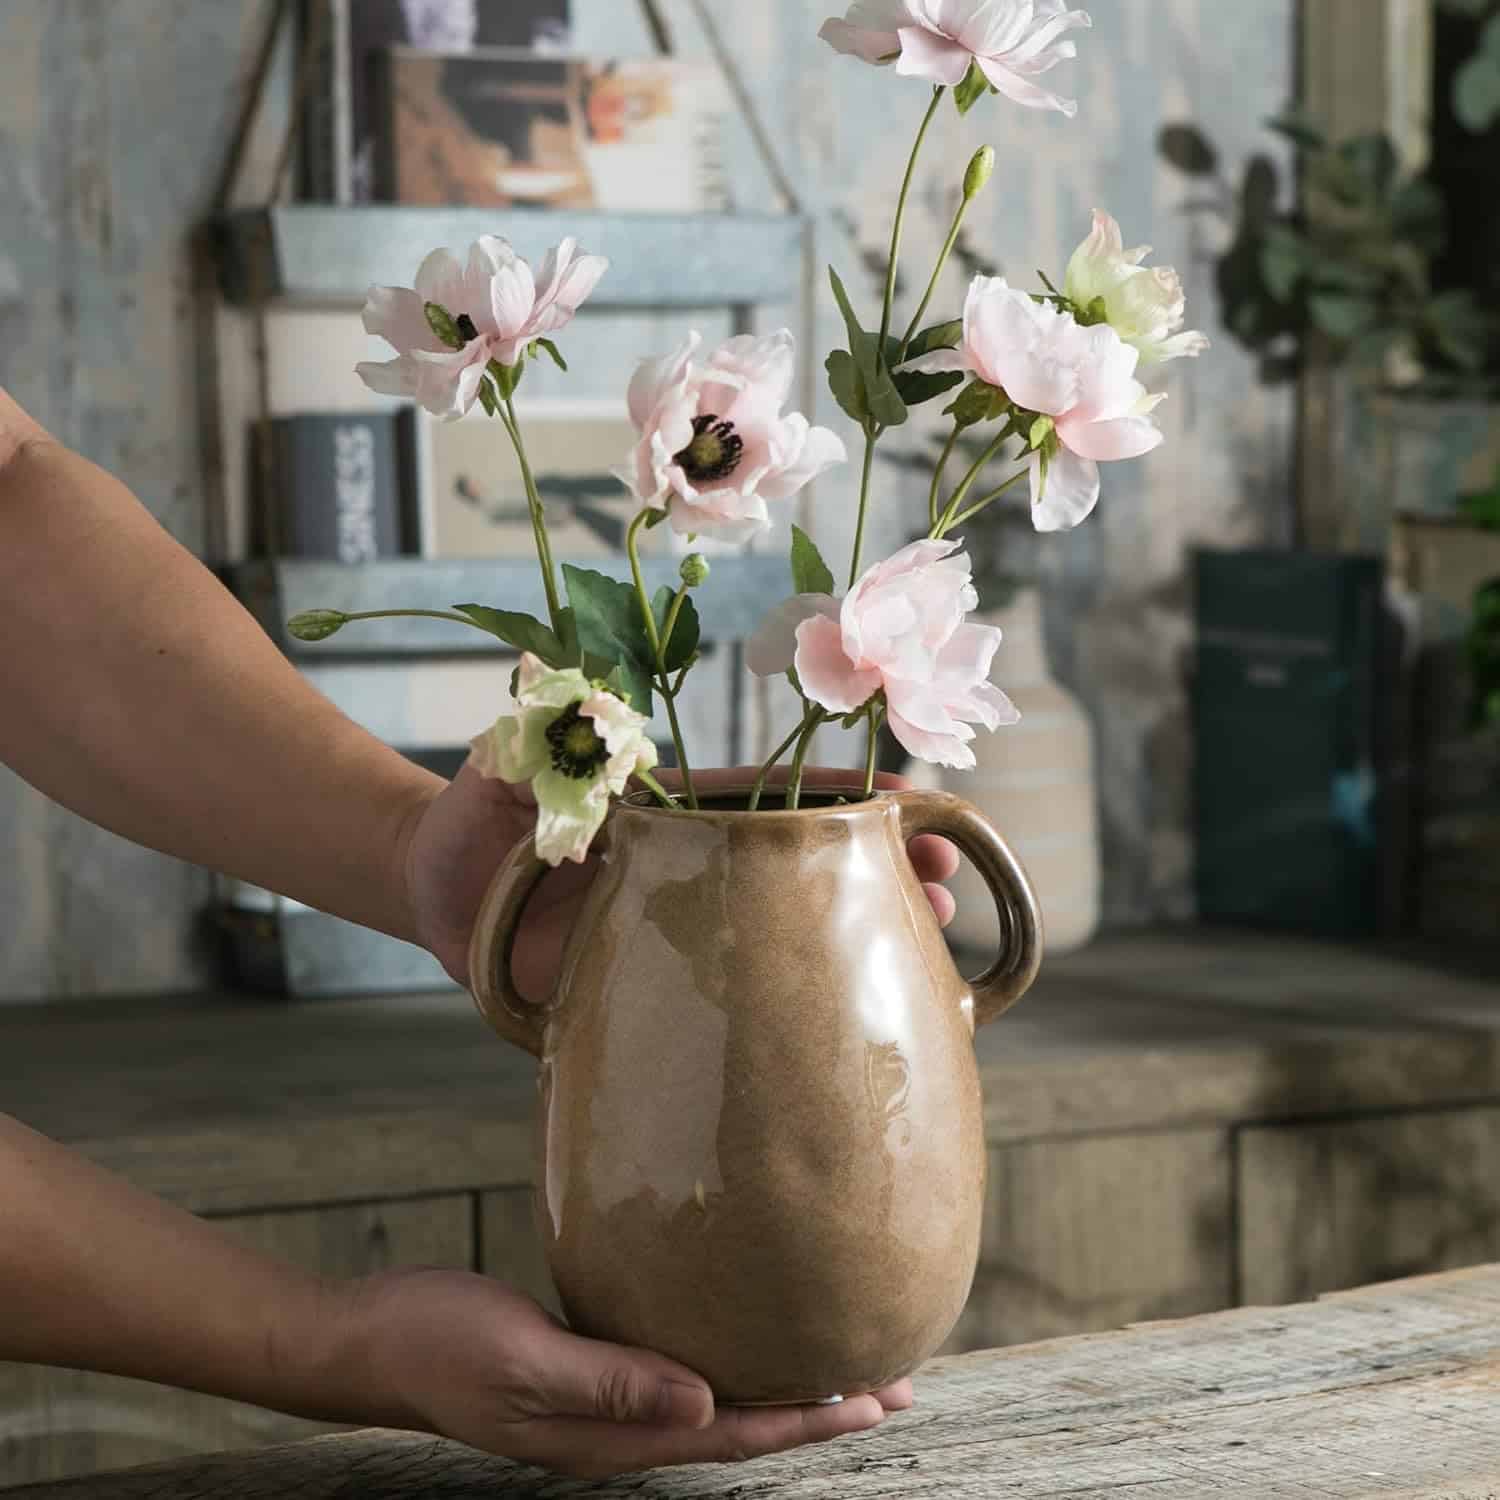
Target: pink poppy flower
<point x="900" y="630"/>
<point x="1047" y="363"/>
<point x="1013" y="41"/>
<point x="715" y="444"/>
<point x="497" y="307"/>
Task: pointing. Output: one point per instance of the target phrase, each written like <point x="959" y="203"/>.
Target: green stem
<point x="872" y="436"/>
<point x="794" y="786"/>
<point x="967" y="483"/>
<point x="538" y="516"/>
<point x="989" y="499"/>
<point x="660" y="792"/>
<point x="758" y="789"/>
<point x="952" y="240"/>
<point x="890" y="271"/>
<point x="412" y="614"/>
<point x="658" y="650"/>
<point x="671" y="625"/>
<point x="876" y="716"/>
<point x="937" y="477"/>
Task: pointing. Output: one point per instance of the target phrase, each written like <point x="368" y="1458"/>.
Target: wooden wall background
<point x="114" y="118"/>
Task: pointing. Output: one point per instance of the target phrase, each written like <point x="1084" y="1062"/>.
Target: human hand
<point x="469" y="1358"/>
<point x="471" y="825"/>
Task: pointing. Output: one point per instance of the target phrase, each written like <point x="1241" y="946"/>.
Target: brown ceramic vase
<point x="761" y="1144"/>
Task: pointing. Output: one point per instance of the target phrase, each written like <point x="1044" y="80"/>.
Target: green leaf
<point x="1476" y="93"/>
<point x="916" y="389"/>
<point x="1373" y="160"/>
<point x="1041" y="430"/>
<point x="1283" y="261"/>
<point x="608" y="614"/>
<point x="1299" y="130"/>
<point x="1342" y="316"/>
<point x="848" y="389"/>
<point x="939" y="336"/>
<point x="977" y="402"/>
<point x="973" y="88"/>
<point x="524" y="632"/>
<point x="810" y="574"/>
<point x="553" y="350"/>
<point x="1188" y="149"/>
<point x="487" y="398"/>
<point x="687" y="632"/>
<point x="881" y="396"/>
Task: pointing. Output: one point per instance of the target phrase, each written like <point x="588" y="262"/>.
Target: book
<point x="1294" y="758"/>
<point x="503" y="129"/>
<point x="340" y="144"/>
<point x="345" y="486"/>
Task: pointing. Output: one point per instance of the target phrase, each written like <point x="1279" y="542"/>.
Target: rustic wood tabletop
<point x="1392" y="1390"/>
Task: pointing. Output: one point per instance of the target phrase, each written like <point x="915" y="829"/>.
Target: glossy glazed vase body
<point x="761" y="1138"/>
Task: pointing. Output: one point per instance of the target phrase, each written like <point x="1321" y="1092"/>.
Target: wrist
<point x="346" y="1373"/>
<point x="406" y="921"/>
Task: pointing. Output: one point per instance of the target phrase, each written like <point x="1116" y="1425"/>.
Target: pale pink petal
<point x="1070" y="495"/>
<point x="399" y="316"/>
<point x="969" y="652"/>
<point x="827" y="675"/>
<point x="1019" y="91"/>
<point x="653" y="378"/>
<point x="1187" y="345"/>
<point x="815" y="451"/>
<point x="1125" y="437"/>
<point x="868" y="30"/>
<point x="512" y="296"/>
<point x="937" y="749"/>
<point x="1000" y="710"/>
<point x="394" y="377"/>
<point x="440" y="279"/>
<point x="771" y="650"/>
<point x="935" y="58"/>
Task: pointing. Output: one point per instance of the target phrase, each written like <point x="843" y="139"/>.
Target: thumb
<point x="580" y="1377"/>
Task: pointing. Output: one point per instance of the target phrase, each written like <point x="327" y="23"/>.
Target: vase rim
<point x="816" y="802"/>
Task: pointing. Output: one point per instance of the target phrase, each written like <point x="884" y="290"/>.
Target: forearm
<point x="136" y="691"/>
<point x="98" y="1276"/>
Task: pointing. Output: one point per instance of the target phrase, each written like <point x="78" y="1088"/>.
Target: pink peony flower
<point x="497" y="306"/>
<point x="1145" y="305"/>
<point x="1048" y="363"/>
<point x="1013" y="41"/>
<point x="715" y="445"/>
<point x="900" y="630"/>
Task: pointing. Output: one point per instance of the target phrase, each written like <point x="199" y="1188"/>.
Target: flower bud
<point x="694" y="570"/>
<point x="317" y="624"/>
<point x="980" y="171"/>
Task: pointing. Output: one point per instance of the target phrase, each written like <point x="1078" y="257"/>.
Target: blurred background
<point x="1257" y="780"/>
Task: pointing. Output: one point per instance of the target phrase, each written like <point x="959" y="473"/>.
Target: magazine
<point x="502" y="129"/>
<point x="340" y="150"/>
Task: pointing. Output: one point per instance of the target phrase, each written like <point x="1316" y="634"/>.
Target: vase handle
<point x="1011" y="974"/>
<point x="493" y="944"/>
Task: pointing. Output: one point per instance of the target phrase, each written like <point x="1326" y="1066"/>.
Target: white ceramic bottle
<point x="1035" y="781"/>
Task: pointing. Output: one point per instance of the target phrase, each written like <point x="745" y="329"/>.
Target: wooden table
<point x="1177" y="1122"/>
<point x="1389" y="1391"/>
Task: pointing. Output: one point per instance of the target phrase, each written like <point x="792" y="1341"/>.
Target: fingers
<point x="933" y="858"/>
<point x="597" y="1450"/>
<point x="943" y="904"/>
<point x="896" y="1397"/>
<point x="578" y="1377"/>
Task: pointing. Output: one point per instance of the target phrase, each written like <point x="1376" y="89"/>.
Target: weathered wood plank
<point x="1096" y="1233"/>
<point x="1391" y="1391"/>
<point x="1326" y="1206"/>
<point x="63" y="1422"/>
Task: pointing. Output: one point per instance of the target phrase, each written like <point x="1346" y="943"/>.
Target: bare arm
<point x="139" y="693"/>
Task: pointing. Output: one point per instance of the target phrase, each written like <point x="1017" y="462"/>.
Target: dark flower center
<point x="465" y="325"/>
<point x="714" y="453"/>
<point x="577" y="751"/>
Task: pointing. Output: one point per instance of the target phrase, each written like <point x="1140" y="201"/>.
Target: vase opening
<point x="773" y="800"/>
